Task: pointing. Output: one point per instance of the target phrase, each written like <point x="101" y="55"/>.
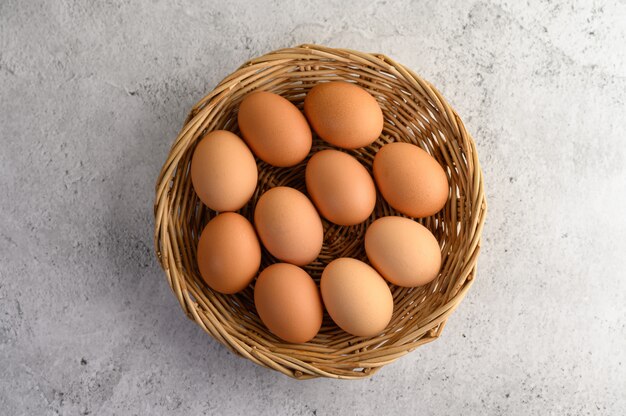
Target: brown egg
<point x="274" y="128"/>
<point x="343" y="114"/>
<point x="223" y="171"/>
<point x="288" y="302"/>
<point x="341" y="188"/>
<point x="289" y="226"/>
<point x="229" y="253"/>
<point x="356" y="297"/>
<point x="403" y="251"/>
<point x="410" y="180"/>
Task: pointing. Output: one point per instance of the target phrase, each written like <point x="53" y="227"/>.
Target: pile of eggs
<point x="287" y="222"/>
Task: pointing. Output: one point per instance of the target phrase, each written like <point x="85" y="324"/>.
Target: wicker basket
<point x="414" y="112"/>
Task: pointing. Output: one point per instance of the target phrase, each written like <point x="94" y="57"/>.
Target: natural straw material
<point x="414" y="112"/>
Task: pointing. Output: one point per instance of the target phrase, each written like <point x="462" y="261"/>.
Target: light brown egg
<point x="229" y="253"/>
<point x="288" y="302"/>
<point x="223" y="171"/>
<point x="341" y="188"/>
<point x="289" y="226"/>
<point x="356" y="297"/>
<point x="343" y="114"/>
<point x="410" y="180"/>
<point x="274" y="128"/>
<point x="403" y="251"/>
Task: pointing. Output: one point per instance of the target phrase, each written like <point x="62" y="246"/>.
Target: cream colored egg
<point x="223" y="171"/>
<point x="356" y="297"/>
<point x="403" y="251"/>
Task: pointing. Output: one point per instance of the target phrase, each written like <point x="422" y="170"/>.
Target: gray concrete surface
<point x="92" y="95"/>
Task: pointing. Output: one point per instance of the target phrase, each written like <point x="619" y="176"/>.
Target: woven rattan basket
<point x="414" y="112"/>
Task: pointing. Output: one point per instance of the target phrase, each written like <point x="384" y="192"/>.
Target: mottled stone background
<point x="94" y="92"/>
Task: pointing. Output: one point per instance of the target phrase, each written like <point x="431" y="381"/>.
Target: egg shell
<point x="229" y="253"/>
<point x="403" y="251"/>
<point x="410" y="180"/>
<point x="274" y="128"/>
<point x="341" y="188"/>
<point x="343" y="114"/>
<point x="223" y="171"/>
<point x="356" y="297"/>
<point x="289" y="226"/>
<point x="288" y="302"/>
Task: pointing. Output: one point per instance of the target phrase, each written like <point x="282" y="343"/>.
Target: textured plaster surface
<point x="92" y="95"/>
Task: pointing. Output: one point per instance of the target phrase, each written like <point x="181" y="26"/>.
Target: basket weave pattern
<point x="414" y="112"/>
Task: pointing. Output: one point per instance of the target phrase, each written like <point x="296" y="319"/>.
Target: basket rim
<point x="206" y="312"/>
